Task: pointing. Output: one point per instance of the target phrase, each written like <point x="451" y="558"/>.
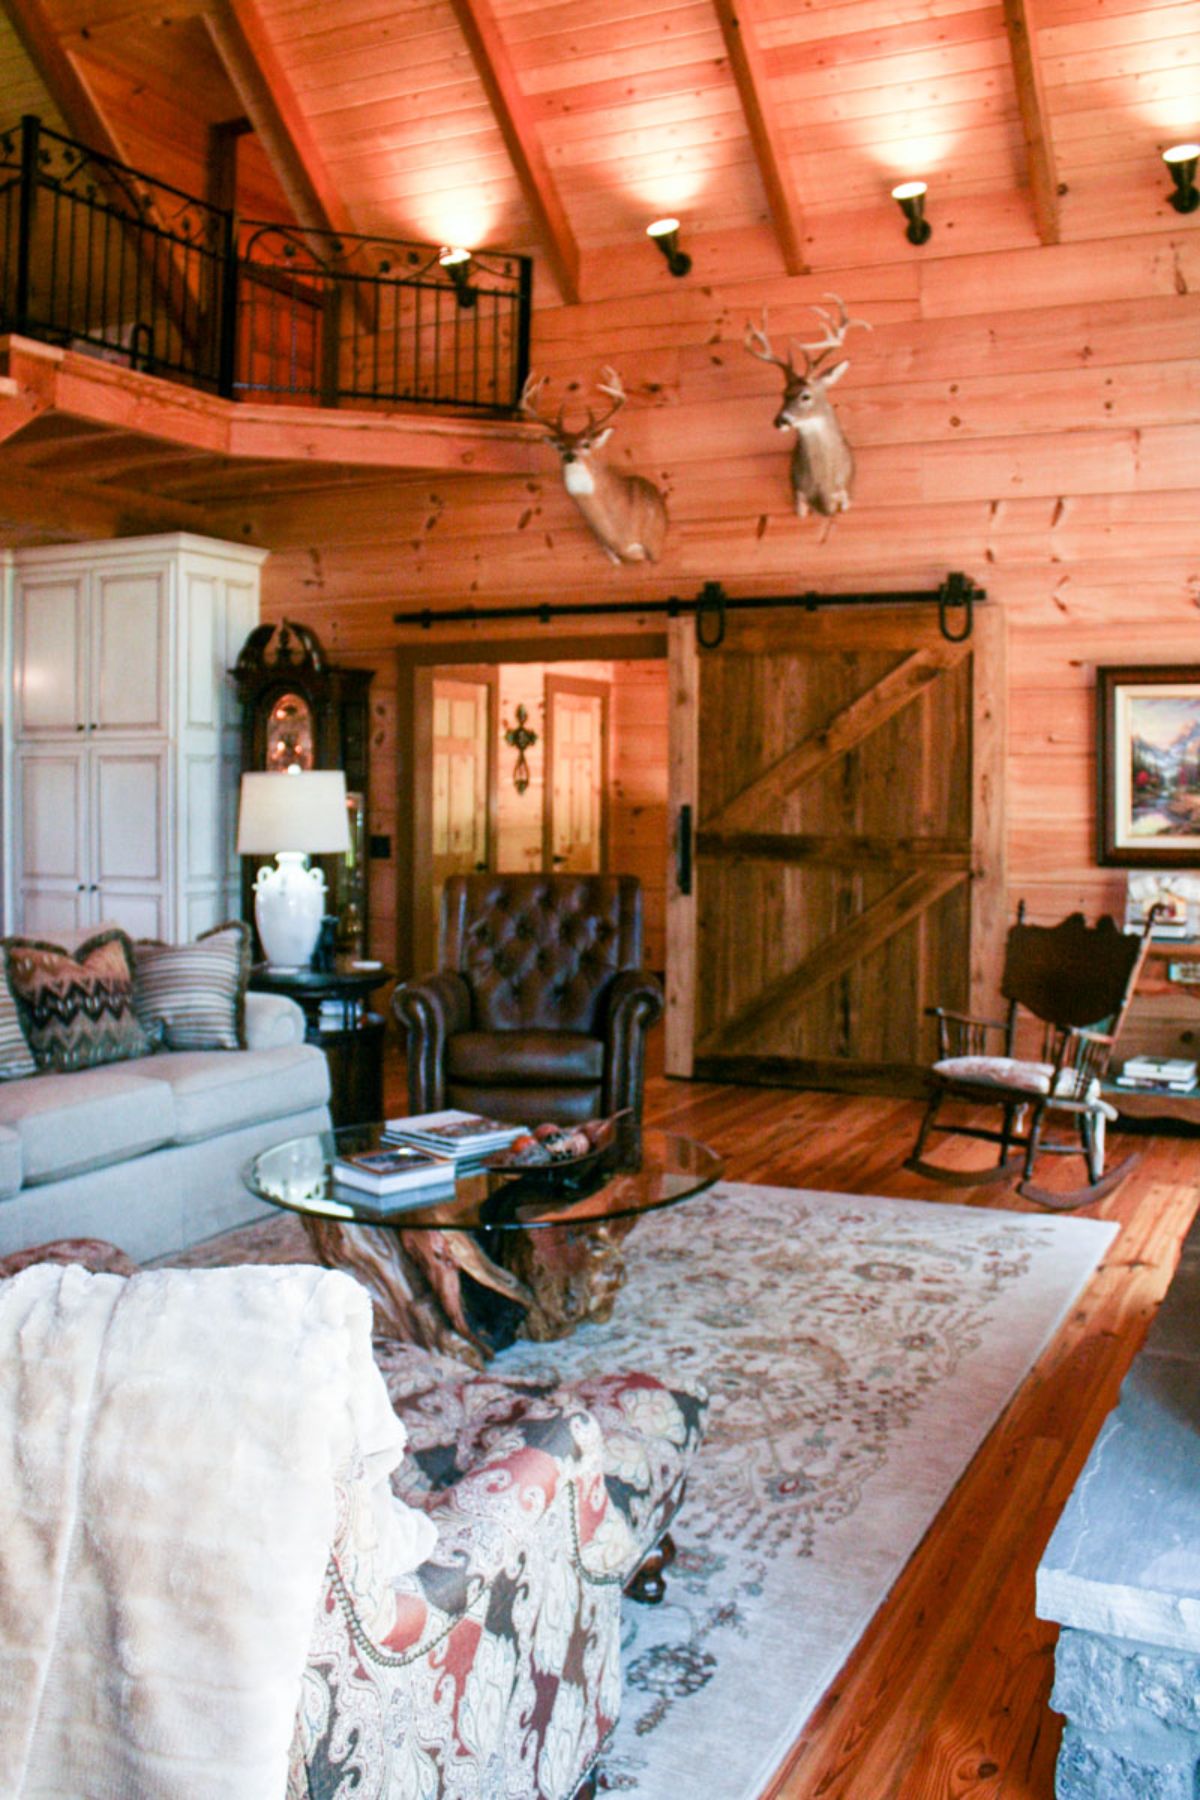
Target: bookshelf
<point x="1163" y="1020"/>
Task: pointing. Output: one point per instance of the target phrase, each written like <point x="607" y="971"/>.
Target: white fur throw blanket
<point x="171" y="1448"/>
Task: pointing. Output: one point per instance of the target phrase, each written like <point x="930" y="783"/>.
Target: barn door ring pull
<point x="957" y="590"/>
<point x="710" y="616"/>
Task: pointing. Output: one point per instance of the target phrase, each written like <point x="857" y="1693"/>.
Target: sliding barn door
<point x="836" y="785"/>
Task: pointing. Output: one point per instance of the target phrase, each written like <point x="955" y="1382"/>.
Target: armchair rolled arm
<point x="633" y="1003"/>
<point x="429" y="1012"/>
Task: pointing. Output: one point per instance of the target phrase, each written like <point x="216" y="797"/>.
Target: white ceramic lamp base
<point x="289" y="904"/>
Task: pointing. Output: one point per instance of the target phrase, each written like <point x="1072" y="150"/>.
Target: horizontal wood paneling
<point x="1028" y="417"/>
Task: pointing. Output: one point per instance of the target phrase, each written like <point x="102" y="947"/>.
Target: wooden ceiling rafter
<point x="261" y="82"/>
<point x="87" y="509"/>
<point x="515" y="120"/>
<point x="740" y="29"/>
<point x="1020" y="25"/>
<point x="69" y="93"/>
<point x="81" y="113"/>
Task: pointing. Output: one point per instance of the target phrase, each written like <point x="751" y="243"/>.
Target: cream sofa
<point x="149" y="1154"/>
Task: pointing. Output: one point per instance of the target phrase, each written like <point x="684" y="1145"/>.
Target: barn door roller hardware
<point x="957" y="596"/>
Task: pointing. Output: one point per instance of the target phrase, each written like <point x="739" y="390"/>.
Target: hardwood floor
<point x="945" y="1697"/>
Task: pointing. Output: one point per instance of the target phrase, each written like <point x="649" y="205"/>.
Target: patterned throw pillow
<point x="196" y="993"/>
<point x="77" y="1010"/>
<point x="16" y="1058"/>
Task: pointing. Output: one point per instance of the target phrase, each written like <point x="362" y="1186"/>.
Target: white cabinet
<point x="125" y="733"/>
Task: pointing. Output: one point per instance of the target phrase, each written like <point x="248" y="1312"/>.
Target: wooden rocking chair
<point x="1077" y="981"/>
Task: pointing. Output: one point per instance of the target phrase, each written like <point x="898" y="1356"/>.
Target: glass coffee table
<point x="505" y="1254"/>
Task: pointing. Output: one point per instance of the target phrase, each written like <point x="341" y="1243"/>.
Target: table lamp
<point x="291" y="817"/>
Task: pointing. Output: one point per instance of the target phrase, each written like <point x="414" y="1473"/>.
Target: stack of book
<point x="462" y="1136"/>
<point x="401" y="1169"/>
<point x="1164" y="1074"/>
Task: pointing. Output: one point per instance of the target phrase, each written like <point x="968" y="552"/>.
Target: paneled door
<point x="575" y="835"/>
<point x="462" y="750"/>
<point x="837" y="780"/>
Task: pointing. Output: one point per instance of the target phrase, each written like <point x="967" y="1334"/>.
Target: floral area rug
<point x="857" y="1351"/>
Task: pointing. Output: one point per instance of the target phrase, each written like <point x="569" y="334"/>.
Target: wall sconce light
<point x="1181" y="159"/>
<point x="910" y="197"/>
<point x="521" y="739"/>
<point x="457" y="264"/>
<point x="665" y="233"/>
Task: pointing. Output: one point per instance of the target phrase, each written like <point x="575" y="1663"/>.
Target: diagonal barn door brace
<point x="844" y="731"/>
<point x="855" y="941"/>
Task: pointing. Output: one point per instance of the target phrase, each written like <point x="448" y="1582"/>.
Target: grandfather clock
<point x="299" y="711"/>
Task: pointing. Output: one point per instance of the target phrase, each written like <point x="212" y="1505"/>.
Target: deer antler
<point x="612" y="385"/>
<point x="833" y="336"/>
<point x="754" y="336"/>
<point x="528" y="403"/>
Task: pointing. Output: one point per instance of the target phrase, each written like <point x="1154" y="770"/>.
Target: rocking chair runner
<point x="1077" y="980"/>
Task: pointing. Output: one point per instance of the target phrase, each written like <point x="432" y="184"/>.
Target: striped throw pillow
<point x="77" y="1009"/>
<point x="196" y="993"/>
<point x="16" y="1058"/>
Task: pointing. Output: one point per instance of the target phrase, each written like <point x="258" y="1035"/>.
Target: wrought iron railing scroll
<point x="103" y="258"/>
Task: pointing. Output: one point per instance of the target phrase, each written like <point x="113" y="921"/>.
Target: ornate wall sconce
<point x="910" y="198"/>
<point x="457" y="264"/>
<point x="1181" y="159"/>
<point x="521" y="739"/>
<point x="665" y="233"/>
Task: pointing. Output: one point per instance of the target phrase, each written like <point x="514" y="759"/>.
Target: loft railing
<point x="103" y="258"/>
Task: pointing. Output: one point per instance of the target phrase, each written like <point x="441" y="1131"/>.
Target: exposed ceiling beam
<point x="1035" y="117"/>
<point x="262" y="85"/>
<point x="86" y="509"/>
<point x="514" y="116"/>
<point x="739" y="26"/>
<point x="69" y="93"/>
<point x="76" y="105"/>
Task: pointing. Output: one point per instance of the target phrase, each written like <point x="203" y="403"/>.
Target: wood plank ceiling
<point x="726" y="112"/>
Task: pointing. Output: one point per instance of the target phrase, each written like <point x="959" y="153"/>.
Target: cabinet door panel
<point x="129" y="791"/>
<point x="129" y="650"/>
<point x="49" y="652"/>
<point x="142" y="915"/>
<point x="51" y="802"/>
<point x="46" y="912"/>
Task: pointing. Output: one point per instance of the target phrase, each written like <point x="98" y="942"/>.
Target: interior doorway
<point x="588" y="793"/>
<point x="464" y="772"/>
<point x="578" y="774"/>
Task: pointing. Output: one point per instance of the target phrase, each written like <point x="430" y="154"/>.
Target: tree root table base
<point x="444" y="1291"/>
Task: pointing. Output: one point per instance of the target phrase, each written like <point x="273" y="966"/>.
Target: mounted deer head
<point x="822" y="463"/>
<point x="626" y="513"/>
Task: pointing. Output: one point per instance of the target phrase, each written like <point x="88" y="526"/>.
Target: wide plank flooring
<point x="945" y="1698"/>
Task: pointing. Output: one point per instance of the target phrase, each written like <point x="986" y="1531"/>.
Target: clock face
<point x="290" y="735"/>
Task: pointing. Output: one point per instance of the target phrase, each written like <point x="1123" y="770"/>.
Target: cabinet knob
<point x="81" y="728"/>
<point x="95" y="888"/>
<point x="81" y="888"/>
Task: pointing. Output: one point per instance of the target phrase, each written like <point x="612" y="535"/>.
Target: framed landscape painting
<point x="1148" y="739"/>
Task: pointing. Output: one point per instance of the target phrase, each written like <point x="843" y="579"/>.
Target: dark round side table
<point x="353" y="1048"/>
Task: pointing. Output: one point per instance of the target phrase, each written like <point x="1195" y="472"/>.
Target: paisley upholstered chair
<point x="540" y="1008"/>
<point x="1076" y="981"/>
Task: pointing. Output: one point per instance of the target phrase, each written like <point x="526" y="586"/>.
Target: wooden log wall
<point x="1026" y="414"/>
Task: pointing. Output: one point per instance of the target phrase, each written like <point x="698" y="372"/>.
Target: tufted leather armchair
<point x="539" y="1011"/>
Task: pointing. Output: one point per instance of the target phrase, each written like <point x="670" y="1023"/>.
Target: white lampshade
<point x="298" y="812"/>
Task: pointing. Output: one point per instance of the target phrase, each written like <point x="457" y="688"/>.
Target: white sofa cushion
<point x="85" y="1119"/>
<point x="220" y="1090"/>
<point x="11" y="1163"/>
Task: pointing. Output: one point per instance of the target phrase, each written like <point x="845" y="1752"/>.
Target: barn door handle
<point x="683" y="851"/>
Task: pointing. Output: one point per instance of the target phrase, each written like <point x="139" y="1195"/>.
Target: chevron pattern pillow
<point x="16" y="1058"/>
<point x="195" y="994"/>
<point x="77" y="1008"/>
